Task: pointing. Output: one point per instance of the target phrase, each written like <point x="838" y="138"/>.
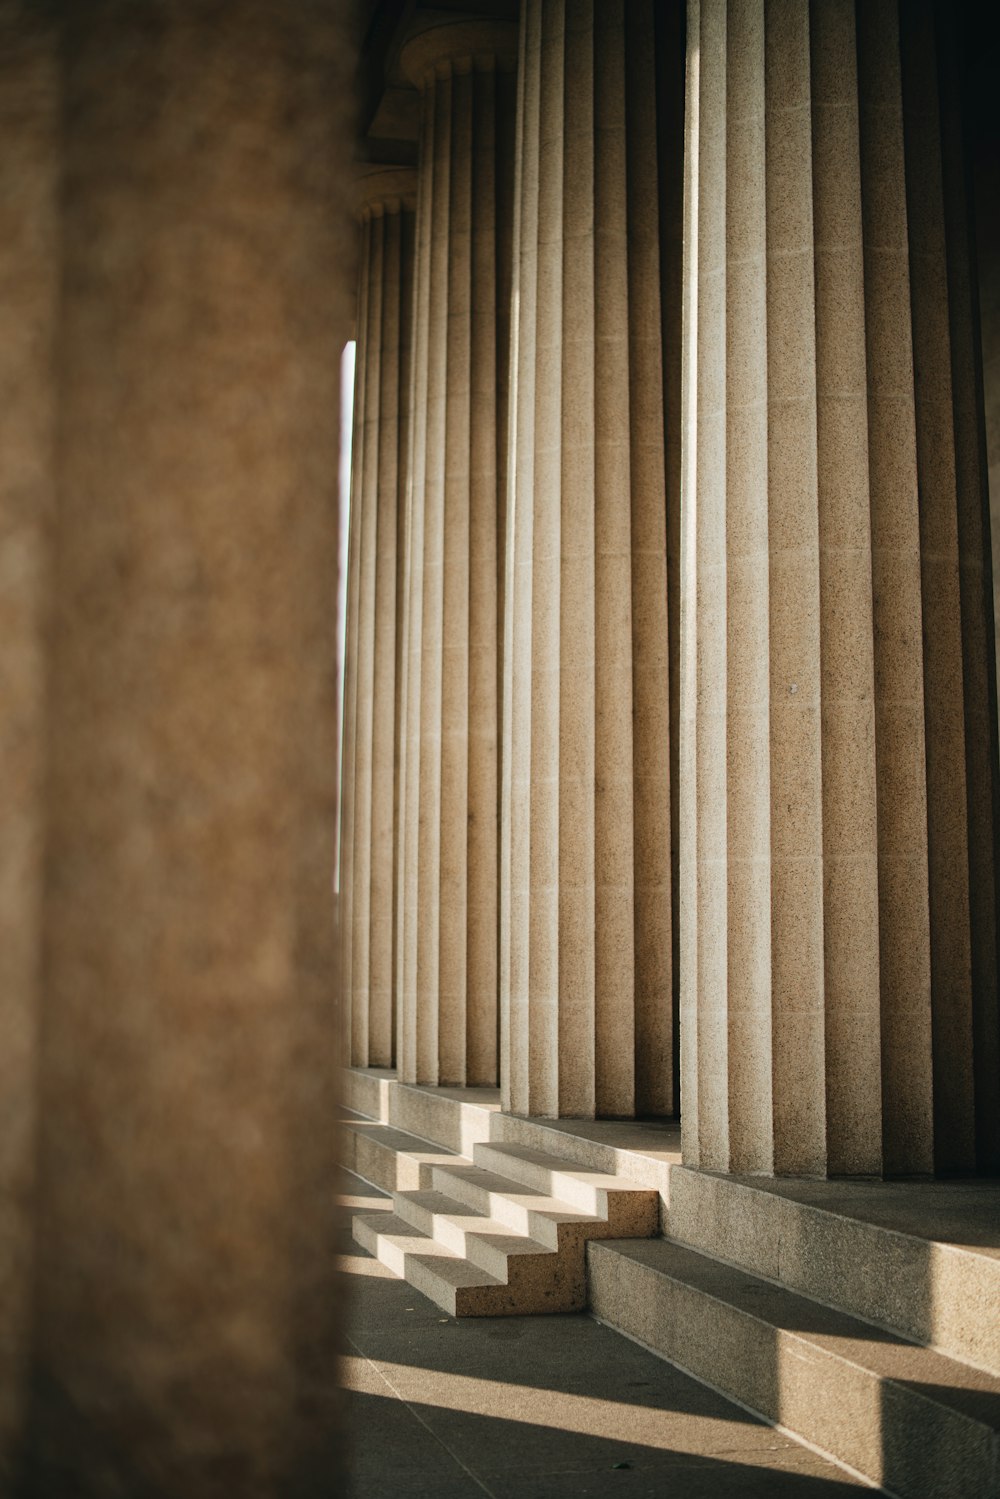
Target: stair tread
<point x="402" y="1141"/>
<point x="535" y="1157"/>
<point x="483" y="1227"/>
<point x="888" y="1355"/>
<point x="532" y="1198"/>
<point x="399" y="1139"/>
<point x="453" y="1268"/>
<point x="929" y="1211"/>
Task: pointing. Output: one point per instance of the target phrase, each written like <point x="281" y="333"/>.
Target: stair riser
<point x="462" y="1301"/>
<point x="503" y="1302"/>
<point x="532" y="1291"/>
<point x="422" y="1278"/>
<point x="513" y="1268"/>
<point x="911" y="1445"/>
<point x="578" y="1151"/>
<point x="628" y="1216"/>
<point x="458" y="1125"/>
<point x="455" y="1125"/>
<point x="935" y="1294"/>
<point x="365" y="1094"/>
<point x="505" y="1210"/>
<point x="391" y="1170"/>
<point x="384" y="1250"/>
<point x="630" y="1212"/>
<point x="568" y="1188"/>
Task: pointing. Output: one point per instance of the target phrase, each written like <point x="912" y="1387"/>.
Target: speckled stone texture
<point x="182" y="1339"/>
<point x="986" y="177"/>
<point x="839" y="777"/>
<point x="587" y="984"/>
<point x="385" y="198"/>
<point x="446" y="908"/>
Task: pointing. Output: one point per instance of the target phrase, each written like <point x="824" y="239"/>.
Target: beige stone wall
<point x="176" y="965"/>
<point x="837" y="897"/>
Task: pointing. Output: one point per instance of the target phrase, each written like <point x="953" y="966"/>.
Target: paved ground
<point x="540" y="1408"/>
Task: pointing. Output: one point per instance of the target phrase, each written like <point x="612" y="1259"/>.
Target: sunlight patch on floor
<point x="585" y="1415"/>
<point x="362" y="1264"/>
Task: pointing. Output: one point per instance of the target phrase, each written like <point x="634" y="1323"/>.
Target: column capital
<point x="461" y="46"/>
<point x="380" y="189"/>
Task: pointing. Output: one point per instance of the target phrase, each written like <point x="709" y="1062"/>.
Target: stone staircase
<point x="863" y="1318"/>
<point x="831" y="1311"/>
<point x="503" y="1233"/>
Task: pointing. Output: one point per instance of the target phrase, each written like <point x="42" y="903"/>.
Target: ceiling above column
<point x="389" y="103"/>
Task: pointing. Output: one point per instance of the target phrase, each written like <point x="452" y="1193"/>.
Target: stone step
<point x="457" y="1119"/>
<point x="367" y="1090"/>
<point x="524" y="1209"/>
<point x="630" y="1210"/>
<point x="527" y="1236"/>
<point x="496" y="1247"/>
<point x="391" y="1158"/>
<point x="865" y="1248"/>
<point x="457" y="1285"/>
<point x="451" y="1119"/>
<point x="915" y="1422"/>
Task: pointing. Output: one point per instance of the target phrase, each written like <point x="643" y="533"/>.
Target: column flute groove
<point x="385" y="201"/>
<point x="448" y="872"/>
<point x="838" y="596"/>
<point x="587" y="978"/>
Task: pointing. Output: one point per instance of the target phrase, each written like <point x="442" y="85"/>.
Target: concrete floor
<point x="539" y="1408"/>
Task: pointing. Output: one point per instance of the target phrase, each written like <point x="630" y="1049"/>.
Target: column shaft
<point x="447" y="903"/>
<point x="836" y="633"/>
<point x="381" y="433"/>
<point x="586" y="924"/>
<point x="182" y="1302"/>
<point x="29" y="291"/>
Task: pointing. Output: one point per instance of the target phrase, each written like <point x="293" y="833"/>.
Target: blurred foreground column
<point x="28" y="298"/>
<point x="182" y="1331"/>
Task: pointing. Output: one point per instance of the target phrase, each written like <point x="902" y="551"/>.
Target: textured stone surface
<point x="587" y="1011"/>
<point x="447" y="898"/>
<point x="385" y="199"/>
<point x="922" y="1259"/>
<point x="903" y="1416"/>
<point x="988" y="237"/>
<point x="182" y="1305"/>
<point x="838" y="914"/>
<point x="500" y="1231"/>
<point x="462" y="1119"/>
<point x="540" y="1406"/>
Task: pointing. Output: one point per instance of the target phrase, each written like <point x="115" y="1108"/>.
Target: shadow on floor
<point x="539" y="1408"/>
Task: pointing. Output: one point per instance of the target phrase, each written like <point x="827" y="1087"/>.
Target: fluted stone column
<point x="168" y="1028"/>
<point x="447" y="902"/>
<point x="839" y="749"/>
<point x="386" y="201"/>
<point x="986" y="179"/>
<point x="587" y="1017"/>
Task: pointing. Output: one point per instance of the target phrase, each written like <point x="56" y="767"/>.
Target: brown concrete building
<point x="668" y="901"/>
